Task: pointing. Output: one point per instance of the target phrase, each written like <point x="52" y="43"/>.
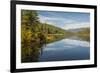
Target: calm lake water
<point x="65" y="49"/>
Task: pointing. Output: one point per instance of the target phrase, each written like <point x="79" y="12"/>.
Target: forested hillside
<point x="35" y="34"/>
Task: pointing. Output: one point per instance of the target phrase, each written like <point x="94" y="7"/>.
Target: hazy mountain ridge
<point x="80" y="30"/>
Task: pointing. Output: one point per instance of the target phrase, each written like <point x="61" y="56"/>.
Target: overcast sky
<point x="65" y="20"/>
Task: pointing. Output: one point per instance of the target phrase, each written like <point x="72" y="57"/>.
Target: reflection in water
<point x="72" y="48"/>
<point x="31" y="52"/>
<point x="66" y="44"/>
<point x="66" y="49"/>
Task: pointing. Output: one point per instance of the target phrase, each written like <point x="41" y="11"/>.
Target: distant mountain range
<point x="79" y="30"/>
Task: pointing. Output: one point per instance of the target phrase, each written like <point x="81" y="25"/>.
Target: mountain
<point x="80" y="30"/>
<point x="50" y="29"/>
<point x="74" y="30"/>
<point x="84" y="31"/>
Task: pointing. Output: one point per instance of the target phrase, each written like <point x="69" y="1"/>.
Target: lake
<point x="70" y="48"/>
<point x="65" y="49"/>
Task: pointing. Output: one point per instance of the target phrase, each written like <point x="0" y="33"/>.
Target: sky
<point x="65" y="20"/>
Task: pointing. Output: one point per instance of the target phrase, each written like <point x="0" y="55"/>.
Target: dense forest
<point x="35" y="34"/>
<point x="34" y="28"/>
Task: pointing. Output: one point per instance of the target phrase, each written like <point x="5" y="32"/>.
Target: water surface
<point x="66" y="49"/>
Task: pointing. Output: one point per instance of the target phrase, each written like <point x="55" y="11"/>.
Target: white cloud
<point x="55" y="20"/>
<point x="63" y="22"/>
<point x="44" y="19"/>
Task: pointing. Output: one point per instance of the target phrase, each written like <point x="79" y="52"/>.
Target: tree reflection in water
<point x="32" y="51"/>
